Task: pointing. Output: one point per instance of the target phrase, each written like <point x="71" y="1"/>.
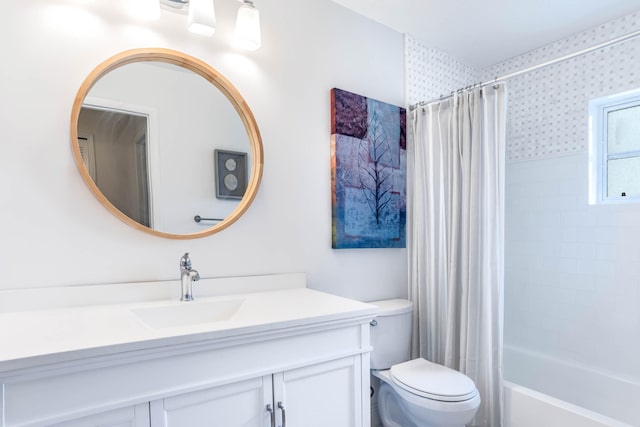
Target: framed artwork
<point x="368" y="172"/>
<point x="231" y="174"/>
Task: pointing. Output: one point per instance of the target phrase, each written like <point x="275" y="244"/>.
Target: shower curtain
<point x="455" y="238"/>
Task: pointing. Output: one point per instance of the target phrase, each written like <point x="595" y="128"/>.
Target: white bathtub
<point x="544" y="392"/>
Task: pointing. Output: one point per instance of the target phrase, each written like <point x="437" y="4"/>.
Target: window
<point x="614" y="148"/>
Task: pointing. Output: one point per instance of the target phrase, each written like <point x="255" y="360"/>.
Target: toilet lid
<point x="433" y="381"/>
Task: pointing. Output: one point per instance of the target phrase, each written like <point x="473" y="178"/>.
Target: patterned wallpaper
<point x="547" y="108"/>
<point x="431" y="73"/>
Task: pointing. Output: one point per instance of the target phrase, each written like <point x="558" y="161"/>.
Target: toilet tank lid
<point x="391" y="307"/>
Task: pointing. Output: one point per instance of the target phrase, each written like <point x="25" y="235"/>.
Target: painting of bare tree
<point x="368" y="172"/>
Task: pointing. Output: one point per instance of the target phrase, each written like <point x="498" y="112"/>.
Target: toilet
<point x="415" y="393"/>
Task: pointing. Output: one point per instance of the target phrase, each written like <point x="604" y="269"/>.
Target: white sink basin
<point x="187" y="313"/>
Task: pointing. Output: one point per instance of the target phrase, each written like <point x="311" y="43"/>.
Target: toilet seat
<point x="432" y="381"/>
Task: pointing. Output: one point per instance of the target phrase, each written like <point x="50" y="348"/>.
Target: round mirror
<point x="166" y="143"/>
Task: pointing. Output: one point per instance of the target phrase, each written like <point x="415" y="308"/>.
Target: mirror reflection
<point x="149" y="134"/>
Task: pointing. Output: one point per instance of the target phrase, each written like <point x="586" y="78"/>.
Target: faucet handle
<point x="185" y="261"/>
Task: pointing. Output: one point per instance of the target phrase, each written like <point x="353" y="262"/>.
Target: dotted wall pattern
<point x="431" y="73"/>
<point x="547" y="110"/>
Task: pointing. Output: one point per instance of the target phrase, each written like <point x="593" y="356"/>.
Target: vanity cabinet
<point x="320" y="395"/>
<point x="300" y="352"/>
<point x="318" y="370"/>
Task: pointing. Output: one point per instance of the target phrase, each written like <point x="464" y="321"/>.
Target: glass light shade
<point x="202" y="17"/>
<point x="247" y="34"/>
<point x="145" y="9"/>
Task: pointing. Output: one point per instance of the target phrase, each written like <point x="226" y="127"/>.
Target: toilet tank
<point x="391" y="333"/>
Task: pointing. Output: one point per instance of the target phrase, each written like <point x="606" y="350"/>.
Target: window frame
<point x="598" y="146"/>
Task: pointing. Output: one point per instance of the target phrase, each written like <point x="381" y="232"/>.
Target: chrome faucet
<point x="187" y="277"/>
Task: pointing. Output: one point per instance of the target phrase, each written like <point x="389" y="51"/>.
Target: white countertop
<point x="41" y="335"/>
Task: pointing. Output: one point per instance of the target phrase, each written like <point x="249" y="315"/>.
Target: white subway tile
<point x="578" y="250"/>
<point x="606" y="251"/>
<point x="578" y="218"/>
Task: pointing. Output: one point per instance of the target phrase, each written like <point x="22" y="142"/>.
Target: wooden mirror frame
<point x="208" y="73"/>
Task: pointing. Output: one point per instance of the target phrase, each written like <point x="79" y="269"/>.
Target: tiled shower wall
<point x="572" y="286"/>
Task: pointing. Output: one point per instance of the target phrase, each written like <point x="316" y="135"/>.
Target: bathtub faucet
<point x="187" y="277"/>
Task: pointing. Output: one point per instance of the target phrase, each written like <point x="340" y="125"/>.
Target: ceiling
<point x="485" y="32"/>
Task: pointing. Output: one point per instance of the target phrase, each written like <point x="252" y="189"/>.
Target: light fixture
<point x="202" y="17"/>
<point x="247" y="34"/>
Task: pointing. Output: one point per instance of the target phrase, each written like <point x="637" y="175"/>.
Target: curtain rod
<point x="602" y="45"/>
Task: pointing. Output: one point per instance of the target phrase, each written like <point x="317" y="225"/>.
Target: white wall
<point x="54" y="232"/>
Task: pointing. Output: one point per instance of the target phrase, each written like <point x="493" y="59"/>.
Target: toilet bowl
<point x="445" y="398"/>
<point x="415" y="393"/>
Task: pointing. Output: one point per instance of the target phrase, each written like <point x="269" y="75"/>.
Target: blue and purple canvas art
<point x="368" y="172"/>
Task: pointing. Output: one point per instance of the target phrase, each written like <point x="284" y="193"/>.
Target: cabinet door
<point x="132" y="416"/>
<point x="241" y="404"/>
<point x="326" y="394"/>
